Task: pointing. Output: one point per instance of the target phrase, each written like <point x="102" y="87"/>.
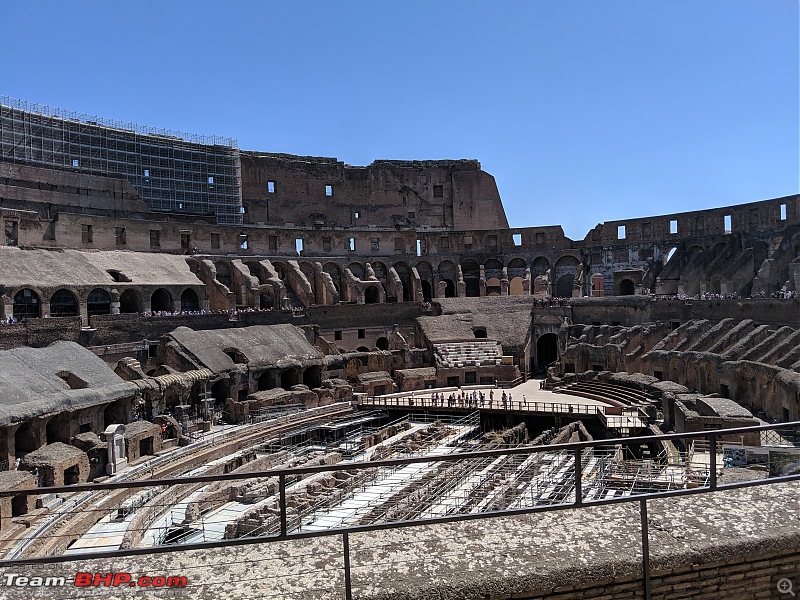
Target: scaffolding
<point x="172" y="172"/>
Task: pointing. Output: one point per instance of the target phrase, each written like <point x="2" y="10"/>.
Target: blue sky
<point x="583" y="110"/>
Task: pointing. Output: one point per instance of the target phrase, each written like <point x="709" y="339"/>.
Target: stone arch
<point x="27" y="304"/>
<point x="333" y="269"/>
<point x="161" y="300"/>
<point x="404" y="273"/>
<point x="425" y="271"/>
<point x="224" y="274"/>
<point x="449" y="275"/>
<point x="565" y="269"/>
<point x="669" y="252"/>
<point x="308" y="270"/>
<point x="289" y="377"/>
<point x="129" y="301"/>
<point x="546" y="350"/>
<point x="190" y="302"/>
<point x="266" y="381"/>
<point x="493" y="265"/>
<point x="98" y="302"/>
<point x="539" y="266"/>
<point x="357" y="269"/>
<point x="471" y="272"/>
<point x="63" y="303"/>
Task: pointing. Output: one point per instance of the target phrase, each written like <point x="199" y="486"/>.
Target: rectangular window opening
<point x="329" y="190"/>
<point x="155" y="238"/>
<point x="270" y="187"/>
<point x="211" y="180"/>
<point x="12" y="233"/>
<point x="728" y="224"/>
<point x="673" y="226"/>
<point x="362" y="333"/>
<point x="419" y="247"/>
<point x="147" y="172"/>
<point x="76" y="162"/>
<point x="517" y="237"/>
<point x="375" y="244"/>
<point x="86" y="234"/>
<point x="783" y="212"/>
<point x="621" y="232"/>
<point x="356" y="215"/>
<point x="351" y="244"/>
<point x="119" y="233"/>
<point x="215" y="240"/>
<point x="438" y="191"/>
<point x="337" y="335"/>
<point x="298" y="245"/>
<point x="326" y="244"/>
<point x="273" y="243"/>
<point x="244" y="244"/>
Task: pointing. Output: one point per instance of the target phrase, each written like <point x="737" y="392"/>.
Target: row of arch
<point x="27" y="303"/>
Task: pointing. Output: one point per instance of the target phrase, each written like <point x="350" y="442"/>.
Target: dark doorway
<point x="371" y="295"/>
<point x="266" y="381"/>
<point x="129" y="302"/>
<point x="98" y="303"/>
<point x="189" y="301"/>
<point x="312" y="377"/>
<point x="626" y="287"/>
<point x="71" y="475"/>
<point x="450" y="288"/>
<point x="63" y="304"/>
<point x="161" y="301"/>
<point x="472" y="288"/>
<point x="146" y="447"/>
<point x="546" y="350"/>
<point x="382" y="343"/>
<point x="288" y="378"/>
<point x="426" y="290"/>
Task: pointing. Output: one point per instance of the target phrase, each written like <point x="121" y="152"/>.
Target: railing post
<point x="712" y="450"/>
<point x="578" y="486"/>
<point x="645" y="548"/>
<point x="282" y="501"/>
<point x="348" y="588"/>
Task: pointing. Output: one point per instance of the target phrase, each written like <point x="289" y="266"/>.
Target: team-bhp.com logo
<point x="81" y="579"/>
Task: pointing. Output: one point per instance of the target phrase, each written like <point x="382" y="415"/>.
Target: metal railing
<point x="424" y="402"/>
<point x="578" y="451"/>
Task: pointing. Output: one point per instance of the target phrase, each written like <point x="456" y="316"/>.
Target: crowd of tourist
<point x="467" y="399"/>
<point x="781" y="294"/>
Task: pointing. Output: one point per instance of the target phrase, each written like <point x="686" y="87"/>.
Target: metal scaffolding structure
<point x="172" y="172"/>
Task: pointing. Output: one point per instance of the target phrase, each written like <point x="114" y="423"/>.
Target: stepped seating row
<point x="616" y="395"/>
<point x="465" y="354"/>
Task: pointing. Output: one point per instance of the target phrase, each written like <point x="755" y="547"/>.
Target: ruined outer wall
<point x="282" y="188"/>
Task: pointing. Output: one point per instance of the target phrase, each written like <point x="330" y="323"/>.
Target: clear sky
<point x="583" y="110"/>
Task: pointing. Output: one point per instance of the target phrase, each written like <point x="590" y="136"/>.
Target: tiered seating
<point x="467" y="354"/>
<point x="616" y="395"/>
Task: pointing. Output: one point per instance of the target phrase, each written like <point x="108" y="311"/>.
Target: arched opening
<point x="479" y="333"/>
<point x="546" y="350"/>
<point x="626" y="287"/>
<point x="220" y="390"/>
<point x="266" y="381"/>
<point x="371" y="295"/>
<point x="669" y="254"/>
<point x="450" y="289"/>
<point x="404" y="273"/>
<point x="564" y="286"/>
<point x="427" y="291"/>
<point x="24" y="440"/>
<point x="312" y="377"/>
<point x="129" y="302"/>
<point x="289" y="377"/>
<point x="335" y="272"/>
<point x="266" y="301"/>
<point x="189" y="301"/>
<point x="161" y="301"/>
<point x="357" y="269"/>
<point x="27" y="305"/>
<point x="63" y="304"/>
<point x="382" y="343"/>
<point x="98" y="302"/>
<point x="539" y="266"/>
<point x="224" y="274"/>
<point x="471" y="273"/>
